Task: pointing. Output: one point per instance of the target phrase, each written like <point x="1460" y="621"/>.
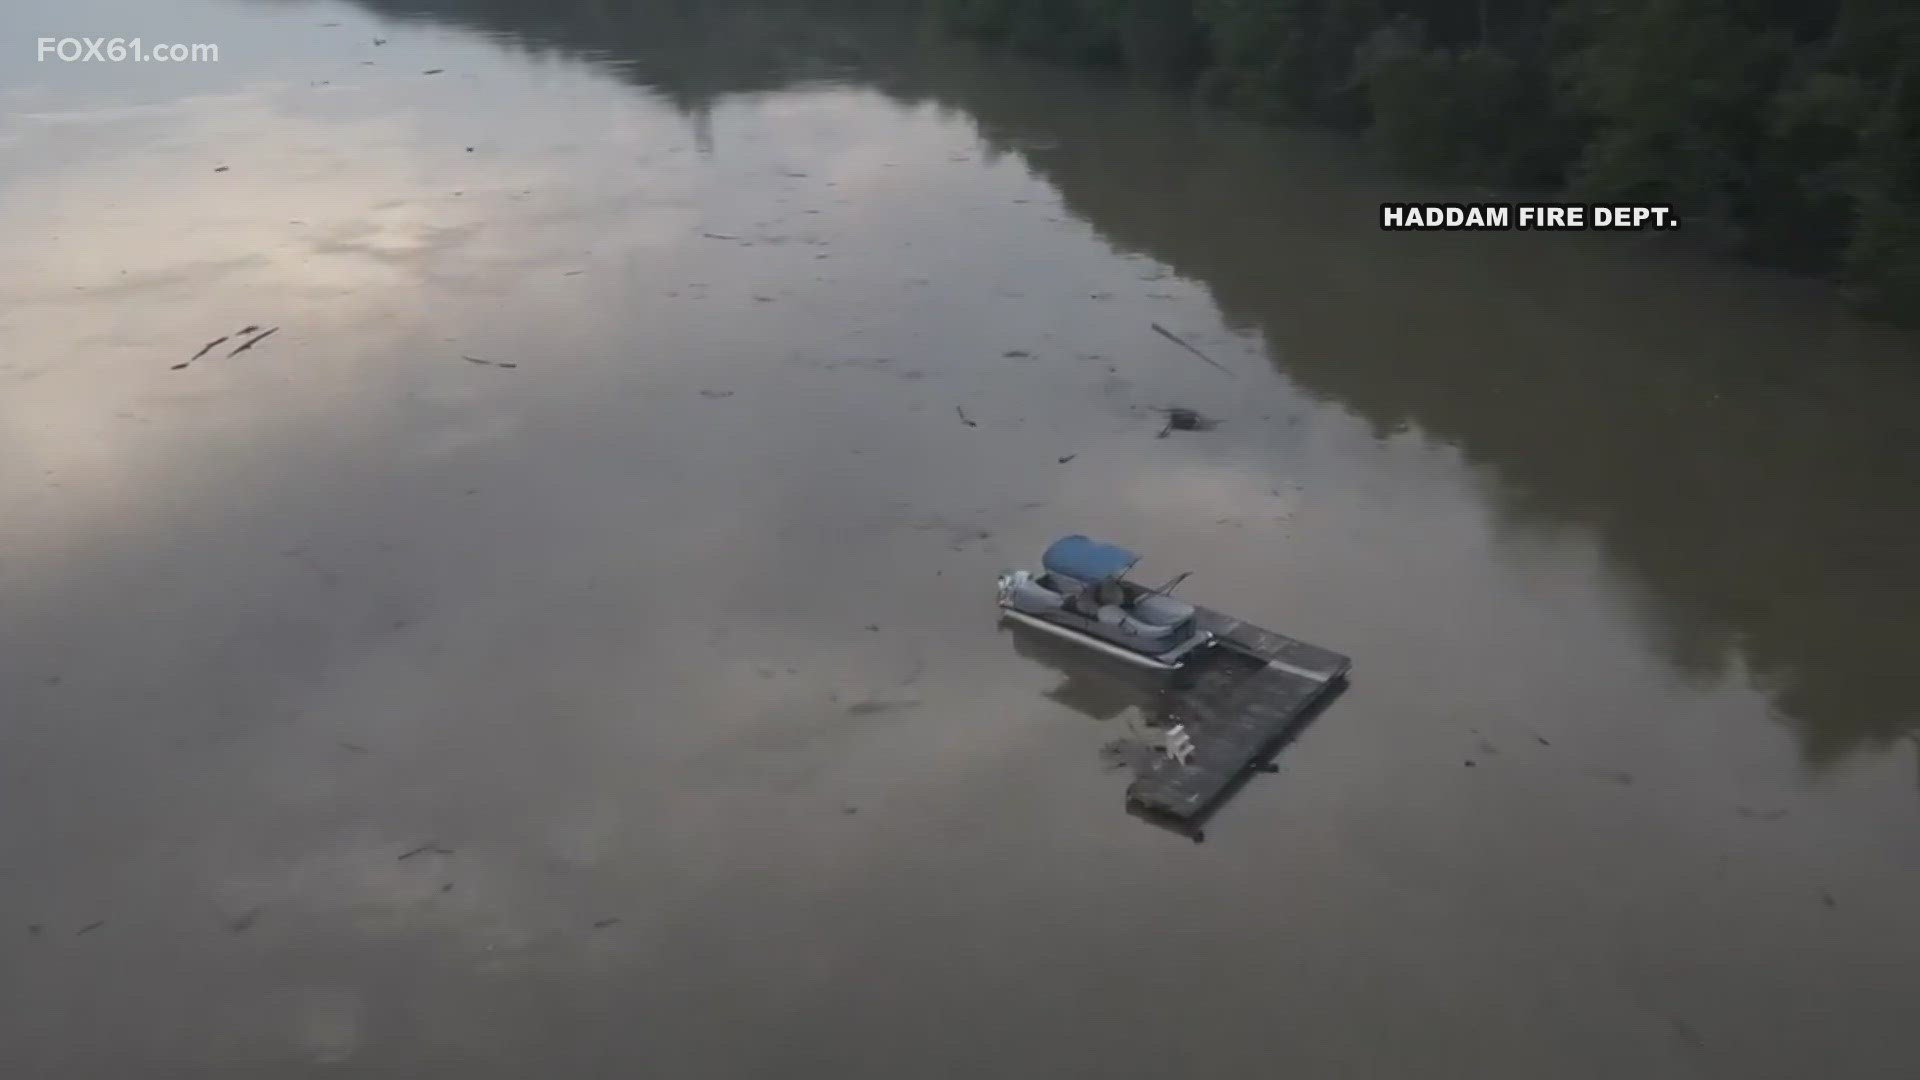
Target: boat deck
<point x="1247" y="695"/>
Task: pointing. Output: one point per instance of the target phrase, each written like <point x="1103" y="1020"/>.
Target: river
<point x="565" y="645"/>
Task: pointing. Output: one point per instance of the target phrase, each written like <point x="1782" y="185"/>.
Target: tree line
<point x="1787" y="131"/>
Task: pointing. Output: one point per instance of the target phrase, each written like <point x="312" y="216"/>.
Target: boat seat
<point x="1115" y="618"/>
<point x="1032" y="594"/>
<point x="1162" y="610"/>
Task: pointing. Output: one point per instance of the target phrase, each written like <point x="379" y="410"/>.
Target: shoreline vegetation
<point x="1784" y="132"/>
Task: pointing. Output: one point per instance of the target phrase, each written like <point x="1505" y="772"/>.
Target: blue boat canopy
<point x="1087" y="560"/>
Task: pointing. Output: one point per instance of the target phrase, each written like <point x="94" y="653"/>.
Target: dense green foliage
<point x="1787" y="130"/>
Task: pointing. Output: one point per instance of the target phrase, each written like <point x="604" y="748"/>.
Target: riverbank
<point x="1789" y="139"/>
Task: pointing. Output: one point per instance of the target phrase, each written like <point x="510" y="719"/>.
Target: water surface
<point x="566" y="645"/>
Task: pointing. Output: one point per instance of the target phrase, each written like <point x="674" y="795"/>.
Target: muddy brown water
<point x="599" y="532"/>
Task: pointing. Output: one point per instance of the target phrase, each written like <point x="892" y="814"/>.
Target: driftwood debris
<point x="223" y="339"/>
<point x="252" y="341"/>
<point x="488" y="363"/>
<point x="1181" y="418"/>
<point x="1177" y="340"/>
<point x="204" y="350"/>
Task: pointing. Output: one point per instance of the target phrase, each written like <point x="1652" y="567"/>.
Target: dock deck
<point x="1252" y="690"/>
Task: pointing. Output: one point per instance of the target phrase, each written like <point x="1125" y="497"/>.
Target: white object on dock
<point x="1179" y="743"/>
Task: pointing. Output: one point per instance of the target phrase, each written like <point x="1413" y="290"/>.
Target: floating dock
<point x="1245" y="696"/>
